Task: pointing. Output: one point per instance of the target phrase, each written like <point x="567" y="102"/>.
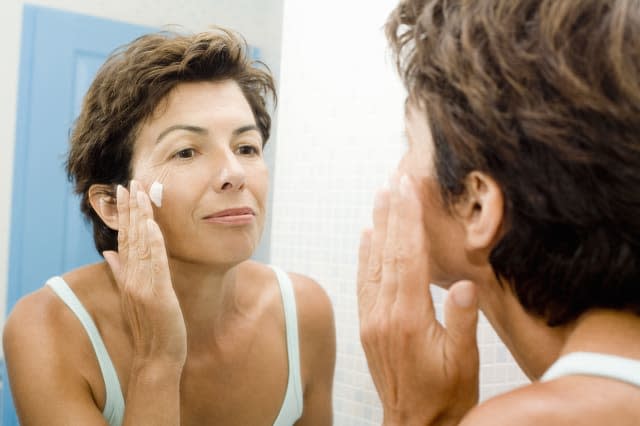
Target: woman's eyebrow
<point x="189" y="128"/>
<point x="246" y="128"/>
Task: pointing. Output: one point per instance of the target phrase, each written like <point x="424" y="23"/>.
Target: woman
<point x="178" y="326"/>
<point x="518" y="193"/>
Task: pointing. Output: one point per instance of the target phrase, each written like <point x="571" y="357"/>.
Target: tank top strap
<point x="292" y="405"/>
<point x="114" y="404"/>
<point x="595" y="364"/>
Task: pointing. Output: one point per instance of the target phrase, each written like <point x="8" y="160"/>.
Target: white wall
<point x="340" y="125"/>
<point x="259" y="21"/>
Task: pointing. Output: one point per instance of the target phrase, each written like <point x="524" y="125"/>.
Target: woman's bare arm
<point x="41" y="360"/>
<point x="47" y="351"/>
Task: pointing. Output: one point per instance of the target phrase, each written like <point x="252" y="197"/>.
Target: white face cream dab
<point x="155" y="193"/>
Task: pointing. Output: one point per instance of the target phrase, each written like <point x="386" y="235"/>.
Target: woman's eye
<point x="185" y="153"/>
<point x="248" y="150"/>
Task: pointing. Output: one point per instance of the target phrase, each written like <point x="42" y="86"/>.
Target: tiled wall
<point x="339" y="137"/>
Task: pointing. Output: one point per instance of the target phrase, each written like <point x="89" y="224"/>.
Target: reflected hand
<point x="141" y="269"/>
<point x="424" y="372"/>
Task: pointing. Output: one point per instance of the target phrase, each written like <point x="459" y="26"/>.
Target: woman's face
<point x="444" y="231"/>
<point x="203" y="145"/>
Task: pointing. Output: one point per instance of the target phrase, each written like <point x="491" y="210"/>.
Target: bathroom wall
<point x="259" y="21"/>
<point x="340" y="126"/>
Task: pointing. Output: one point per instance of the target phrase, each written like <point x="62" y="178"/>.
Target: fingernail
<point x="119" y="191"/>
<point x="464" y="294"/>
<point x="140" y="198"/>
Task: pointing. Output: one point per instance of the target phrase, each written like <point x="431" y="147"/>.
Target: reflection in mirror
<point x="178" y="312"/>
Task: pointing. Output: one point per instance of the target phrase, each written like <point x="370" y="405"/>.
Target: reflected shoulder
<point x="315" y="320"/>
<point x="42" y="342"/>
<point x="38" y="318"/>
<point x="317" y="349"/>
<point x="312" y="300"/>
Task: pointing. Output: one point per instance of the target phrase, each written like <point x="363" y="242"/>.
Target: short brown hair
<point x="543" y="96"/>
<point x="128" y="88"/>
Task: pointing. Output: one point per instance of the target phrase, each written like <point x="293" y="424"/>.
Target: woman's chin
<point x="216" y="255"/>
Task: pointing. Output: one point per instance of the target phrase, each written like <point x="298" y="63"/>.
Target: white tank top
<point x="113" y="412"/>
<point x="595" y="364"/>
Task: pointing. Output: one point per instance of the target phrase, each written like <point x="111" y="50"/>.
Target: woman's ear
<point x="103" y="201"/>
<point x="481" y="211"/>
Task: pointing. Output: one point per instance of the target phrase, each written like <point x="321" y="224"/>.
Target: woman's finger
<point x="461" y="318"/>
<point x="158" y="253"/>
<point x="113" y="260"/>
<point x="144" y="203"/>
<point x="144" y="251"/>
<point x="391" y="248"/>
<point x="367" y="290"/>
<point x="380" y="213"/>
<point x="133" y="223"/>
<point x="122" y="203"/>
<point x="412" y="260"/>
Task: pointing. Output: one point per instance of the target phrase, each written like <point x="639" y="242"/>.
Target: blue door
<point x="60" y="54"/>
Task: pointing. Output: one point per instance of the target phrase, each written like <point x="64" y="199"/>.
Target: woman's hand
<point x="141" y="269"/>
<point x="424" y="373"/>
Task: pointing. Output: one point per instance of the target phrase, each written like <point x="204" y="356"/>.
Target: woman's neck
<point x="606" y="331"/>
<point x="535" y="345"/>
<point x="209" y="295"/>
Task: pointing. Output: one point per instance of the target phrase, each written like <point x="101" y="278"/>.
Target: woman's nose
<point x="231" y="175"/>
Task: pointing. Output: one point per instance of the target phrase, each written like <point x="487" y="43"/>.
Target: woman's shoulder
<point x="35" y="311"/>
<point x="44" y="314"/>
<point x="314" y="307"/>
<point x="317" y="339"/>
<point x="39" y="323"/>
<point x="568" y="401"/>
<point x="310" y="296"/>
<point x="315" y="311"/>
<point x="44" y="339"/>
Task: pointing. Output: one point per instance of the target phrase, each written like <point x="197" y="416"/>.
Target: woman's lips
<point x="234" y="216"/>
